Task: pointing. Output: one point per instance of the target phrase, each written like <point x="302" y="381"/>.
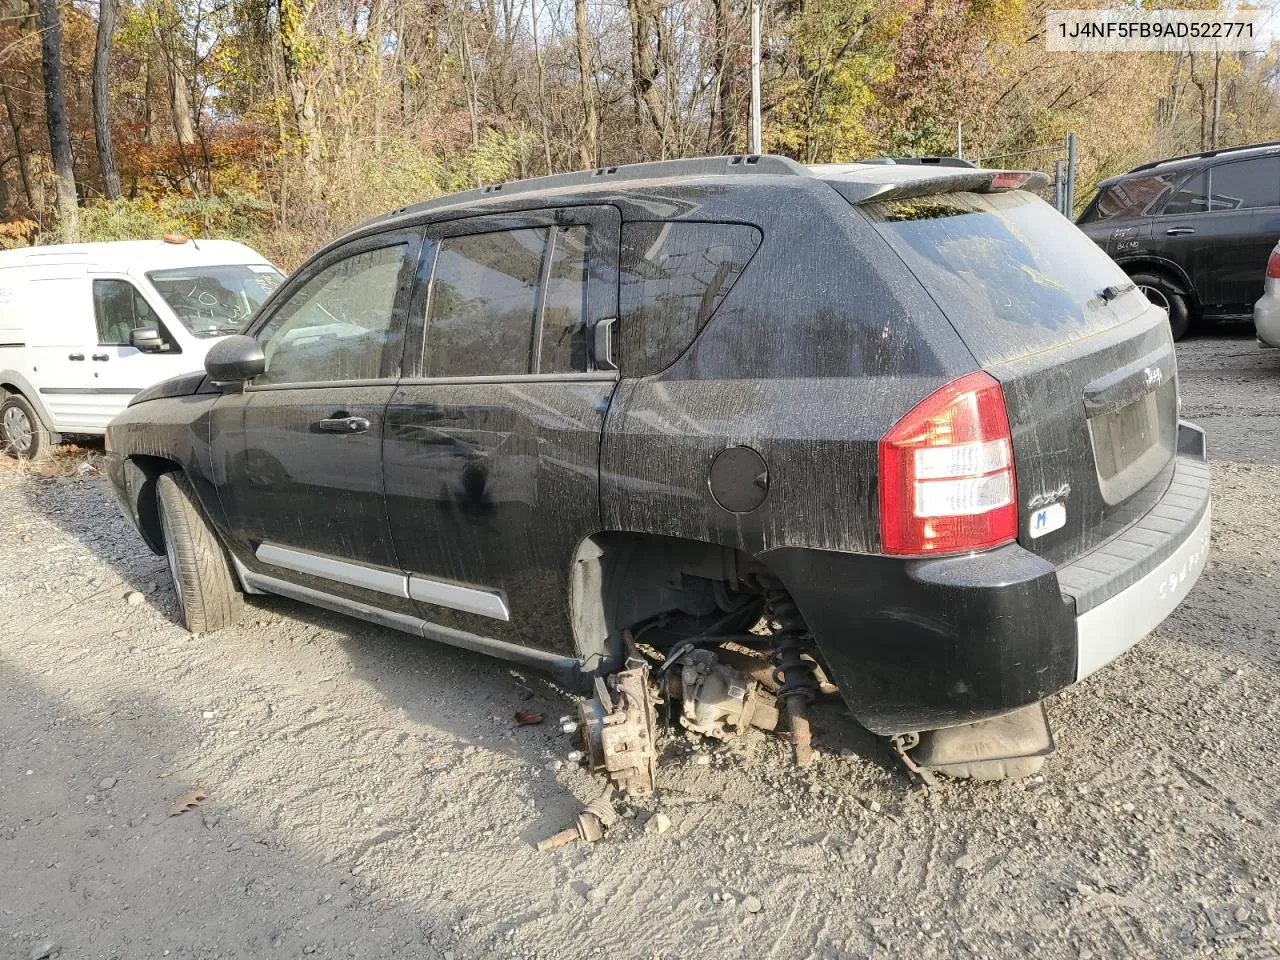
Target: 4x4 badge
<point x="1049" y="496"/>
<point x="1152" y="376"/>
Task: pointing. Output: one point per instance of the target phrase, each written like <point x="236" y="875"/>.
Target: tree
<point x="55" y="108"/>
<point x="101" y="99"/>
<point x="588" y="144"/>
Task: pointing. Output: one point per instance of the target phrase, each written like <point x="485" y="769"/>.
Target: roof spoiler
<point x="948" y="180"/>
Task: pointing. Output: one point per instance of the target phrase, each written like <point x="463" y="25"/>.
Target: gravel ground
<point x="368" y="794"/>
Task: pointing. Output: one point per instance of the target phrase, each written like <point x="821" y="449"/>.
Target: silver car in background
<point x="1266" y="312"/>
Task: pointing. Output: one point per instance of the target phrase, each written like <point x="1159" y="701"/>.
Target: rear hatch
<point x="1086" y="363"/>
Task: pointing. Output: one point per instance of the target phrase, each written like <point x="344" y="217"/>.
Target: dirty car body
<point x="909" y="418"/>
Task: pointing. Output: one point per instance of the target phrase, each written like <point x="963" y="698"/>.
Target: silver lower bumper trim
<point x="1112" y="627"/>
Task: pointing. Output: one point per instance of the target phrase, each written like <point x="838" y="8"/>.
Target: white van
<point x="83" y="327"/>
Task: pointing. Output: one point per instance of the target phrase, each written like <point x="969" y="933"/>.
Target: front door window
<point x="120" y="309"/>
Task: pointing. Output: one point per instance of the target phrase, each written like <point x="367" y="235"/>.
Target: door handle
<point x="101" y="357"/>
<point x="75" y="356"/>
<point x="343" y="425"/>
<point x="1179" y="231"/>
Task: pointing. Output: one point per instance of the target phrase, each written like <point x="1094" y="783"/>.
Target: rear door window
<point x="674" y="275"/>
<point x="484" y="301"/>
<point x="1010" y="273"/>
<point x="1192" y="196"/>
<point x="511" y="302"/>
<point x="1245" y="184"/>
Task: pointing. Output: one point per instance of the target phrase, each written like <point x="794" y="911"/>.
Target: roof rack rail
<point x="1206" y="154"/>
<point x="689" y="167"/>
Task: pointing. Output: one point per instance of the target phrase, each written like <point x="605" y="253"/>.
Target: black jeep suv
<point x="898" y="429"/>
<point x="1194" y="232"/>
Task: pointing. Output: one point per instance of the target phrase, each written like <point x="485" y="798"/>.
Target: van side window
<point x="1191" y="197"/>
<point x="674" y="275"/>
<point x="119" y="310"/>
<point x="1245" y="184"/>
<point x="484" y="300"/>
<point x="340" y="324"/>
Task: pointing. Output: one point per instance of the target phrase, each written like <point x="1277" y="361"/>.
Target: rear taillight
<point x="946" y="472"/>
<point x="1273" y="265"/>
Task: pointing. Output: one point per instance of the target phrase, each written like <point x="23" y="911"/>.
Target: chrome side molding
<point x="340" y="571"/>
<point x="468" y="599"/>
<point x="553" y="662"/>
<point x="441" y="593"/>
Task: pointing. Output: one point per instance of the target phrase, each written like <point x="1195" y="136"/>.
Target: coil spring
<point x="793" y="654"/>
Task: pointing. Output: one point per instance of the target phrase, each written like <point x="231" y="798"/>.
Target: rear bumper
<point x="1125" y="589"/>
<point x="1266" y="316"/>
<point x="924" y="644"/>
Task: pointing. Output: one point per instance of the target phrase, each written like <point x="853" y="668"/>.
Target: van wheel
<point x="22" y="432"/>
<point x="207" y="593"/>
<point x="1160" y="292"/>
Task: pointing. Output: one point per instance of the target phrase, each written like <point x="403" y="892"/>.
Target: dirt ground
<point x="369" y="795"/>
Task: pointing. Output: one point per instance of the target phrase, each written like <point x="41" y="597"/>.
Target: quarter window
<point x="340" y="324"/>
<point x="674" y="275"/>
<point x="119" y="310"/>
<point x="1245" y="184"/>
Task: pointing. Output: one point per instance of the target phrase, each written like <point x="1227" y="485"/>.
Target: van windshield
<point x="214" y="301"/>
<point x="1012" y="274"/>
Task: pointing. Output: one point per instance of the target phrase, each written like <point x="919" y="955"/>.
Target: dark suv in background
<point x="1193" y="232"/>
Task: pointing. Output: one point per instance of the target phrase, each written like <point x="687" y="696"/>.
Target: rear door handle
<point x="101" y="357"/>
<point x="75" y="356"/>
<point x="343" y="425"/>
<point x="1179" y="231"/>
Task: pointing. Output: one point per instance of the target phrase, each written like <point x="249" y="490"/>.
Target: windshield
<point x="215" y="301"/>
<point x="1012" y="275"/>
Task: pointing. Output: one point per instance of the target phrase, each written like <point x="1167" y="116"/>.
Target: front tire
<point x="1159" y="291"/>
<point x="208" y="597"/>
<point x="22" y="432"/>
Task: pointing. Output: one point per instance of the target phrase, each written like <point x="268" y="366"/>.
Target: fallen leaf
<point x="527" y="718"/>
<point x="187" y="803"/>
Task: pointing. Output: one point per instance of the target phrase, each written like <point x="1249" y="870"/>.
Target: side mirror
<point x="235" y="360"/>
<point x="147" y="339"/>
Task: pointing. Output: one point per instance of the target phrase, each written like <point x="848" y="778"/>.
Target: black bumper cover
<point x="923" y="644"/>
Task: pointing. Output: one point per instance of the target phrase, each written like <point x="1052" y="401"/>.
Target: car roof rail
<point x="733" y="165"/>
<point x="1205" y="154"/>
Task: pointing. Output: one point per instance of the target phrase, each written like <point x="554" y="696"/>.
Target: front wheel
<point x="22" y="432"/>
<point x="208" y="597"/>
<point x="1160" y="292"/>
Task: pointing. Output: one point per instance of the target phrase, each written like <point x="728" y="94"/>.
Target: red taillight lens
<point x="946" y="472"/>
<point x="1273" y="265"/>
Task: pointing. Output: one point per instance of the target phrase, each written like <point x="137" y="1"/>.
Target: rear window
<point x="1012" y="275"/>
<point x="1127" y="199"/>
<point x="674" y="275"/>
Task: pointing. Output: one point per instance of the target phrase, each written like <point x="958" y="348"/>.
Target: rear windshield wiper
<point x="1109" y="293"/>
